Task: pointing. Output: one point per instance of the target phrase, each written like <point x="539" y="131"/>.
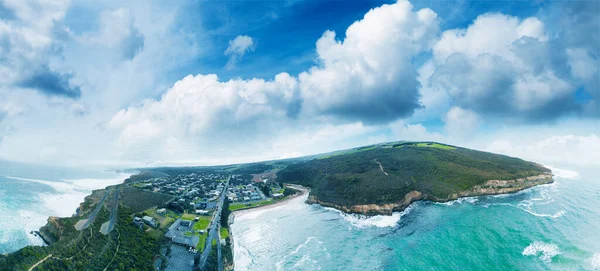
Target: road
<point x="106" y="228"/>
<point x="214" y="228"/>
<point x="92" y="216"/>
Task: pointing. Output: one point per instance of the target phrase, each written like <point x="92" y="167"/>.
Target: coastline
<point x="491" y="187"/>
<point x="303" y="191"/>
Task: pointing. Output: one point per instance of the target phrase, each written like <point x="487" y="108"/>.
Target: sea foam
<point x="546" y="251"/>
<point x="380" y="221"/>
<point x="595" y="261"/>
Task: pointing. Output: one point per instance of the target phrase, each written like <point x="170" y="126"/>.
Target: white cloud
<point x="501" y="66"/>
<point x="367" y="78"/>
<point x="369" y="75"/>
<point x="117" y="31"/>
<point x="579" y="150"/>
<point x="412" y="132"/>
<point x="461" y="122"/>
<point x="237" y="48"/>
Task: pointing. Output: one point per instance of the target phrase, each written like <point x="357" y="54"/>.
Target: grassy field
<point x="224" y="233"/>
<point x="202" y="224"/>
<point x="435" y="145"/>
<point x="239" y="206"/>
<point x="201" y="242"/>
<point x="188" y="217"/>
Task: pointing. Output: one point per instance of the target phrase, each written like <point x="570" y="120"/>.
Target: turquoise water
<point x="550" y="227"/>
<point x="30" y="194"/>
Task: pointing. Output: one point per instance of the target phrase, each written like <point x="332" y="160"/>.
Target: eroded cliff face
<point x="496" y="187"/>
<point x="491" y="187"/>
<point x="52" y="231"/>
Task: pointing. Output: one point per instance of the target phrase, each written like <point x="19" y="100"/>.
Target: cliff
<point x="491" y="187"/>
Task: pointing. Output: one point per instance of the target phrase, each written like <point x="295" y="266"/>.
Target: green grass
<point x="202" y="224"/>
<point x="224" y="233"/>
<point x="201" y="242"/>
<point x="188" y="217"/>
<point x="239" y="206"/>
<point x="435" y="145"/>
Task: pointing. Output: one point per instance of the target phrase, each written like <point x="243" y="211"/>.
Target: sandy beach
<point x="304" y="191"/>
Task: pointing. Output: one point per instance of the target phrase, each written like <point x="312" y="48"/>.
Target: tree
<point x="225" y="214"/>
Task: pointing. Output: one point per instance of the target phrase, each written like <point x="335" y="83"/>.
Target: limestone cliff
<point x="491" y="187"/>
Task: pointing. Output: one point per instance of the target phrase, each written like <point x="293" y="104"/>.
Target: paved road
<point x="214" y="228"/>
<point x="92" y="216"/>
<point x="113" y="215"/>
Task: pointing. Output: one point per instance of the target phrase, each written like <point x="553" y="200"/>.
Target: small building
<point x="149" y="221"/>
<point x="161" y="211"/>
<point x="185" y="223"/>
<point x="277" y="195"/>
<point x="138" y="222"/>
<point x="202" y="212"/>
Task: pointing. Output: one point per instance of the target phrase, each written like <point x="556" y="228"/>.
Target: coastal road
<point x="110" y="224"/>
<point x="92" y="216"/>
<point x="213" y="233"/>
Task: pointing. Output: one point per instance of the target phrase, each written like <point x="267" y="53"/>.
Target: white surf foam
<point x="469" y="200"/>
<point x="69" y="193"/>
<point x="595" y="261"/>
<point x="544" y="198"/>
<point x="546" y="251"/>
<point x="380" y="221"/>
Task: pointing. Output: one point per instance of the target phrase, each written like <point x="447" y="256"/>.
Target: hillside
<point x="388" y="177"/>
<point x="124" y="248"/>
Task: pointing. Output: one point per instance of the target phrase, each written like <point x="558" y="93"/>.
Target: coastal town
<point x="195" y="220"/>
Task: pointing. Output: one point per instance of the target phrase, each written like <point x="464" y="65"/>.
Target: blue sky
<point x="203" y="82"/>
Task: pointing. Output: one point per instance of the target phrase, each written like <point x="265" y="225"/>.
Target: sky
<point x="132" y="84"/>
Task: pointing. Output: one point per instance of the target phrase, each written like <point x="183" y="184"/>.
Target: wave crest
<point x="546" y="251"/>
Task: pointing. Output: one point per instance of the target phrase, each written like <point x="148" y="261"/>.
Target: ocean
<point x="30" y="194"/>
<point x="549" y="227"/>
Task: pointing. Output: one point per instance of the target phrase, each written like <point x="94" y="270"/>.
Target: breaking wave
<point x="546" y="251"/>
<point x="380" y="221"/>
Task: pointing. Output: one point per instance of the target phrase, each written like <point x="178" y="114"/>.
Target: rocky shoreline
<point x="491" y="187"/>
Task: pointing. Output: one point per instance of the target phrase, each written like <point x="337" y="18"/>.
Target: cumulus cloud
<point x="502" y="66"/>
<point x="30" y="37"/>
<point x="237" y="48"/>
<point x="369" y="75"/>
<point x="366" y="78"/>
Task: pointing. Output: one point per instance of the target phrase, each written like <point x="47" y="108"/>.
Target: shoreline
<point x="490" y="188"/>
<point x="303" y="191"/>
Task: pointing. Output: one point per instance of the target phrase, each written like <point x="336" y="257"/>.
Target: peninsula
<point x="383" y="178"/>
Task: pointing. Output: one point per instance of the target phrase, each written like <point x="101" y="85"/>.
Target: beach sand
<point x="304" y="191"/>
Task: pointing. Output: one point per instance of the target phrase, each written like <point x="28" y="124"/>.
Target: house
<point x="161" y="211"/>
<point x="202" y="212"/>
<point x="205" y="205"/>
<point x="149" y="221"/>
<point x="277" y="195"/>
<point x="138" y="222"/>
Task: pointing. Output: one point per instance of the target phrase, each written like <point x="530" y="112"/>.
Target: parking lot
<point x="180" y="259"/>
